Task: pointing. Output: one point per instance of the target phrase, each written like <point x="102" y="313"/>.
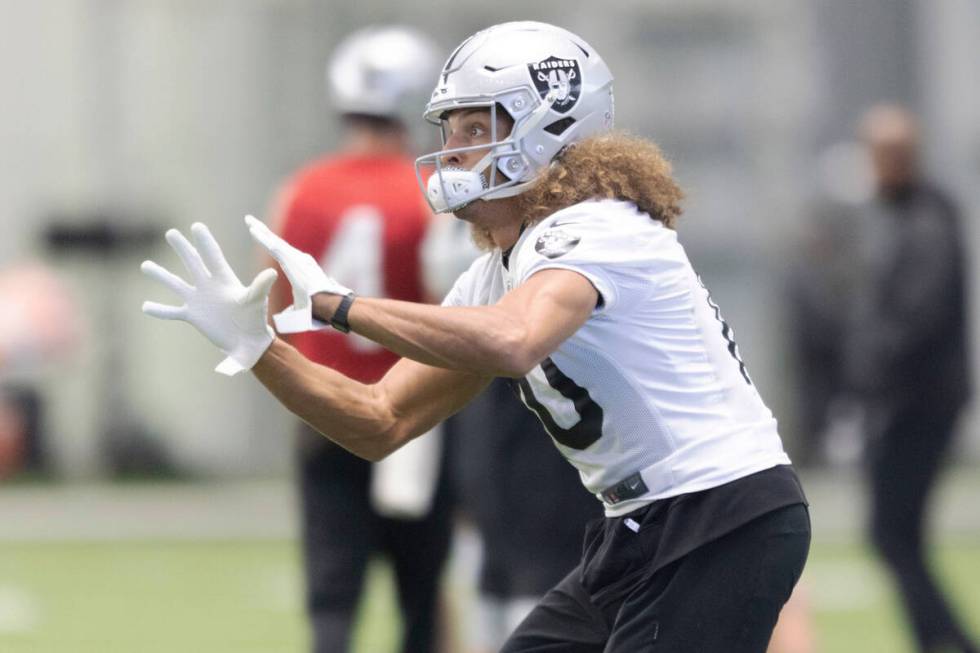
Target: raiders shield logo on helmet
<point x="560" y="75"/>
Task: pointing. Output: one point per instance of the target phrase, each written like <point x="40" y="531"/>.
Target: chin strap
<point x="508" y="191"/>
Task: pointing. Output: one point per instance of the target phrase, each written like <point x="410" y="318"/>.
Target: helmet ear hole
<point x="559" y="126"/>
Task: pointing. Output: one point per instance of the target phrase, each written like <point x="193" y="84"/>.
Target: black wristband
<point x="339" y="319"/>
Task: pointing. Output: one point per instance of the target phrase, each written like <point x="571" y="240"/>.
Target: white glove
<point x="230" y="315"/>
<point x="305" y="275"/>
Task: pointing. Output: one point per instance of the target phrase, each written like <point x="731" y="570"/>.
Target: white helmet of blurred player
<point x="382" y="71"/>
<point x="552" y="84"/>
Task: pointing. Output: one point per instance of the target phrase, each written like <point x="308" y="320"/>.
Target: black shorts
<point x="724" y="596"/>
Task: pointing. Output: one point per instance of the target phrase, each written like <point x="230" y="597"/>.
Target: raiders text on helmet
<point x="553" y="85"/>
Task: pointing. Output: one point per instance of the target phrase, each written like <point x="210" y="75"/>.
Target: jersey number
<point x="728" y="333"/>
<point x="570" y="417"/>
<point x="355" y="258"/>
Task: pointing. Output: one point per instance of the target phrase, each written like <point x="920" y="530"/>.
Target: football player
<point x="586" y="300"/>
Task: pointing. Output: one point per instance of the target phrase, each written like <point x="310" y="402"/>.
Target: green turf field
<point x="133" y="596"/>
<point x="856" y="609"/>
<point x="242" y="596"/>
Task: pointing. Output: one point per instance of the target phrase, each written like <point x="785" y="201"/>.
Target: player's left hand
<point x="229" y="314"/>
<point x="305" y="276"/>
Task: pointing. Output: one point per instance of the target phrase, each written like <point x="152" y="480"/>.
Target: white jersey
<point x="652" y="384"/>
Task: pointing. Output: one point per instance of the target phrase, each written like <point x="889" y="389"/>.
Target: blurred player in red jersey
<point x="360" y="214"/>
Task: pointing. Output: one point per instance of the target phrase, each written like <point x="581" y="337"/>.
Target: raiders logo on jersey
<point x="561" y="75"/>
<point x="555" y="242"/>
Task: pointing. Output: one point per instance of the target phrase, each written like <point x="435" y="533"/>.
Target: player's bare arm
<point x="370" y="421"/>
<point x="505" y="339"/>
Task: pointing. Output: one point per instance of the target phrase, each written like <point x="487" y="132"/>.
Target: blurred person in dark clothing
<point x="821" y="279"/>
<point x="908" y="360"/>
<point x="818" y="284"/>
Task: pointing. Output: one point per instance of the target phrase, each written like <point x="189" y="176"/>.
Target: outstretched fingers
<point x="165" y="312"/>
<point x="190" y="257"/>
<point x="264" y="236"/>
<point x="278" y="248"/>
<point x="260" y="287"/>
<point x="159" y="273"/>
<point x="211" y="252"/>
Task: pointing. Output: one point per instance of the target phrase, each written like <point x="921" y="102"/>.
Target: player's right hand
<point x="305" y="276"/>
<point x="216" y="303"/>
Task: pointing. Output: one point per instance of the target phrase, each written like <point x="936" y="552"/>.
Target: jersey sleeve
<point x="473" y="287"/>
<point x="457" y="294"/>
<point x="618" y="249"/>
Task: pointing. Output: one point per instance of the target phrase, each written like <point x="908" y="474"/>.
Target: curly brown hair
<point x="614" y="165"/>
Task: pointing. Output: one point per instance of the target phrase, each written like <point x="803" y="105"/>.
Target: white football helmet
<point x="380" y="70"/>
<point x="553" y="85"/>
